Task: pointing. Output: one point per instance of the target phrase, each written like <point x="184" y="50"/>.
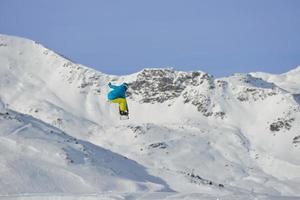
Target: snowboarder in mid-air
<point x="118" y="95"/>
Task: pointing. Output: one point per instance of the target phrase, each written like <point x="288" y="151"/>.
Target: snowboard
<point x="124" y="117"/>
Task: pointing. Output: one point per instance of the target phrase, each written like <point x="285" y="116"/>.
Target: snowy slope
<point x="188" y="132"/>
<point x="38" y="158"/>
<point x="289" y="81"/>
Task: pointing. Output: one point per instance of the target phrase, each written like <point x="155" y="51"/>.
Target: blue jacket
<point x="117" y="92"/>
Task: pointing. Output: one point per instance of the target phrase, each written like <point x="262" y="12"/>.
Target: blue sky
<point x="123" y="36"/>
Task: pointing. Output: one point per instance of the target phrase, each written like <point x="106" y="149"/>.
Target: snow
<point x="33" y="150"/>
<point x="189" y="136"/>
<point x="289" y="81"/>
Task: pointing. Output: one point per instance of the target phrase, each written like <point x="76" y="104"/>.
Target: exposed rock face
<point x="255" y="94"/>
<point x="296" y="140"/>
<point x="160" y="85"/>
<point x="281" y="124"/>
<point x="197" y="88"/>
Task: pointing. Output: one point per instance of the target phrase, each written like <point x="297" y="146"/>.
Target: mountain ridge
<point x="234" y="133"/>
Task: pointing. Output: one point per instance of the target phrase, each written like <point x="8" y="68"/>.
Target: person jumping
<point x="118" y="95"/>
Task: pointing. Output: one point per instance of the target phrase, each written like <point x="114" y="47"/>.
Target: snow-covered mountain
<point x="289" y="81"/>
<point x="188" y="132"/>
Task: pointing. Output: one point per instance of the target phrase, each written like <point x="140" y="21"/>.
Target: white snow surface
<point x="289" y="81"/>
<point x="189" y="136"/>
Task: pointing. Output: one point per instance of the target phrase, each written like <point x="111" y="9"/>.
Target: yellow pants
<point x="122" y="103"/>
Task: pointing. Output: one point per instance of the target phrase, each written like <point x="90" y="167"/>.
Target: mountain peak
<point x="294" y="71"/>
<point x="192" y="132"/>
